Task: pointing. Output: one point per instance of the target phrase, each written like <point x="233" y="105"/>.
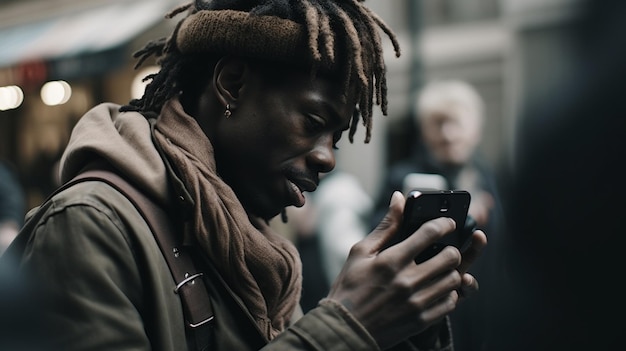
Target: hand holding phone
<point x="422" y="206"/>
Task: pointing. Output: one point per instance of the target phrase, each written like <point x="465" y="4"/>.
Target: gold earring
<point x="227" y="113"/>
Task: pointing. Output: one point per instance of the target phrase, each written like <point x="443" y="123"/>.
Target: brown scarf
<point x="262" y="267"/>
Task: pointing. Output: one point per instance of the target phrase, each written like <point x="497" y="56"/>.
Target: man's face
<point x="451" y="135"/>
<point x="280" y="138"/>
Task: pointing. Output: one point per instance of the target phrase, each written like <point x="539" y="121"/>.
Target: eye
<point x="315" y="123"/>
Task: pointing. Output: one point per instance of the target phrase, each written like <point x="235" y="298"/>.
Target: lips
<point x="297" y="195"/>
<point x="297" y="189"/>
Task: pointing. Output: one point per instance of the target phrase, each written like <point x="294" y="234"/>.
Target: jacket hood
<point x="124" y="140"/>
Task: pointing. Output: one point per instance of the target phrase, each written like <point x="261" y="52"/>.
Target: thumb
<point x="388" y="226"/>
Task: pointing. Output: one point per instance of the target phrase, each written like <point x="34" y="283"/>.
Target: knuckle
<point x="358" y="249"/>
<point x="451" y="255"/>
<point x="391" y="219"/>
<point x="388" y="223"/>
<point x="452" y="300"/>
<point x="438" y="227"/>
<point x="420" y="305"/>
<point x="445" y="224"/>
<point x="455" y="279"/>
<point x="449" y="302"/>
<point x="403" y="285"/>
<point x="420" y="302"/>
<point x="452" y="281"/>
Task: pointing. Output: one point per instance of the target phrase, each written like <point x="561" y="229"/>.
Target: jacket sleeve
<point x="88" y="278"/>
<point x="329" y="327"/>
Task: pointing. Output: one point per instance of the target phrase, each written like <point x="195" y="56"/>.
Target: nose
<point x="322" y="157"/>
<point x="449" y="131"/>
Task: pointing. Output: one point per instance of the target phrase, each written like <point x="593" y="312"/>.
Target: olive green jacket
<point x="110" y="287"/>
<point x="104" y="280"/>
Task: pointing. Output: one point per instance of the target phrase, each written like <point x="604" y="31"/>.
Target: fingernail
<point x="453" y="222"/>
<point x="395" y="197"/>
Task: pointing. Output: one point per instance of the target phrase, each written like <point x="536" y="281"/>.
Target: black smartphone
<point x="422" y="206"/>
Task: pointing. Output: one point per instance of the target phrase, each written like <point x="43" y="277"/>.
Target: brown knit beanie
<point x="238" y="32"/>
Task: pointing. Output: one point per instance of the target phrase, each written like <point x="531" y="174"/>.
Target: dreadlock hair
<point x="339" y="36"/>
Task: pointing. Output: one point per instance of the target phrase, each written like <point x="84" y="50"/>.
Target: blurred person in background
<point x="239" y="122"/>
<point x="567" y="201"/>
<point x="449" y="119"/>
<point x="12" y="205"/>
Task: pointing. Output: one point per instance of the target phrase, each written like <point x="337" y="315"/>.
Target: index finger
<point x="430" y="232"/>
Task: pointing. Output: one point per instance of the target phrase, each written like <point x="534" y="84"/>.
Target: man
<point x="239" y="122"/>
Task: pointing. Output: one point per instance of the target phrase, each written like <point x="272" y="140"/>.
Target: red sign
<point x="31" y="74"/>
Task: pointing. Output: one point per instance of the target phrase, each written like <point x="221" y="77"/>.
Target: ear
<point x="228" y="79"/>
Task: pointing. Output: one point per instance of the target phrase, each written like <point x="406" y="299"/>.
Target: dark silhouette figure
<point x="563" y="262"/>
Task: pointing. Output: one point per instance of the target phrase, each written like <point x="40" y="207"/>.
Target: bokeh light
<point x="56" y="92"/>
<point x="11" y="97"/>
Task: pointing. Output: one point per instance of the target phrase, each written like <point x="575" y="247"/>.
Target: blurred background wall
<point x="509" y="49"/>
<point x="58" y="58"/>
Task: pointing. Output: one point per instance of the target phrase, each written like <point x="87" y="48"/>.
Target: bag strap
<point x="189" y="283"/>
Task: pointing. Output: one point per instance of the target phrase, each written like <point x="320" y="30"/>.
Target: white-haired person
<point x="449" y="119"/>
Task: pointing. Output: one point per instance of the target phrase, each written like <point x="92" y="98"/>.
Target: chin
<point x="263" y="211"/>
